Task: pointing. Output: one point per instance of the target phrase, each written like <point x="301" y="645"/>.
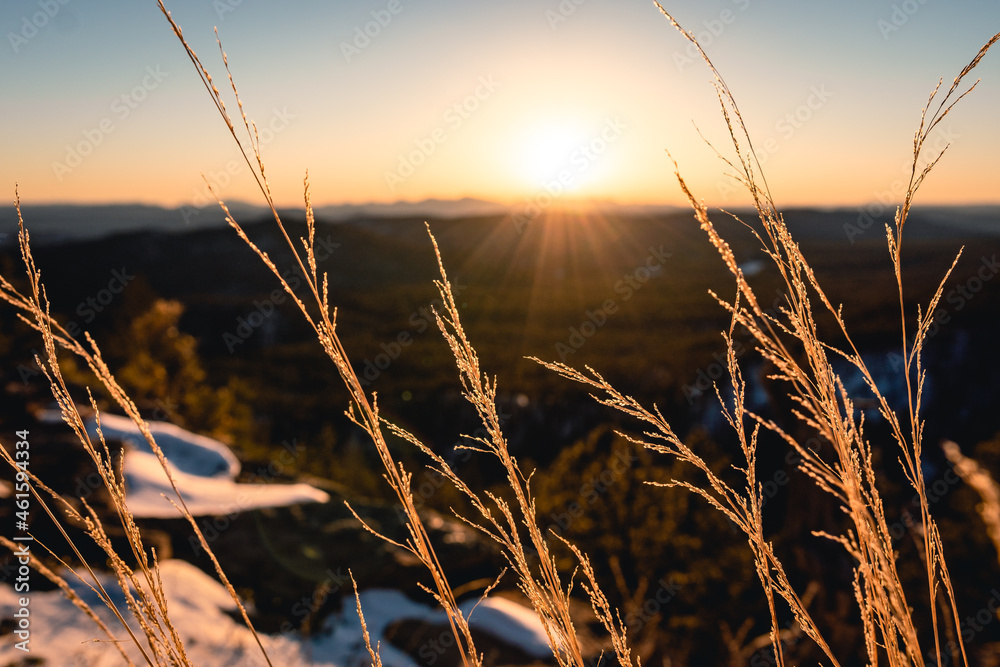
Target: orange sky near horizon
<point x="581" y="99"/>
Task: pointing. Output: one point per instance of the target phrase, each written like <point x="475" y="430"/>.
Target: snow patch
<point x="198" y="604"/>
<point x="512" y="622"/>
<point x="62" y="635"/>
<point x="146" y="485"/>
<point x="504" y="619"/>
<point x="188" y="452"/>
<point x="203" y="469"/>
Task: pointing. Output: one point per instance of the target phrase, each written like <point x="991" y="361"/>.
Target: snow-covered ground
<point x="188" y="452"/>
<point x="147" y="484"/>
<point x="62" y="635"/>
<point x="203" y="469"/>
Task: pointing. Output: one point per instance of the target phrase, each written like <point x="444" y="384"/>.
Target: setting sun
<point x="547" y="151"/>
<point x="568" y="156"/>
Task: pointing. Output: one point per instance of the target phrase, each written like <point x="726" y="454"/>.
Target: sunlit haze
<point x="388" y="100"/>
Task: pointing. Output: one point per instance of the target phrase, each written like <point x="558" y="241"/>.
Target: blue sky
<point x="831" y="93"/>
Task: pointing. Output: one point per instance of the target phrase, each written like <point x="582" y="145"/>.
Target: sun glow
<point x="548" y="150"/>
<point x="566" y="156"/>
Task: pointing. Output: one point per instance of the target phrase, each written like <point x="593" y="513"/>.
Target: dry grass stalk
<point x="142" y="589"/>
<point x="77" y="601"/>
<point x="979" y="478"/>
<point x="822" y="404"/>
<point x="546" y="591"/>
<point x="503" y="523"/>
<point x="742" y="508"/>
<point x="364" y="409"/>
<point x="373" y="653"/>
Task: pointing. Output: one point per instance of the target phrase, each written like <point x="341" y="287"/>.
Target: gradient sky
<point x="535" y="80"/>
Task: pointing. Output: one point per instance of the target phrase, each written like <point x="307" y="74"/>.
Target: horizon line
<point x="473" y="201"/>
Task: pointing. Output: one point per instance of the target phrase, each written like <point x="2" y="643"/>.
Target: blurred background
<point x="531" y="137"/>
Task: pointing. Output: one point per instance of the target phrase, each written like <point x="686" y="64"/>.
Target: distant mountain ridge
<point x="76" y="221"/>
<point x="64" y="222"/>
